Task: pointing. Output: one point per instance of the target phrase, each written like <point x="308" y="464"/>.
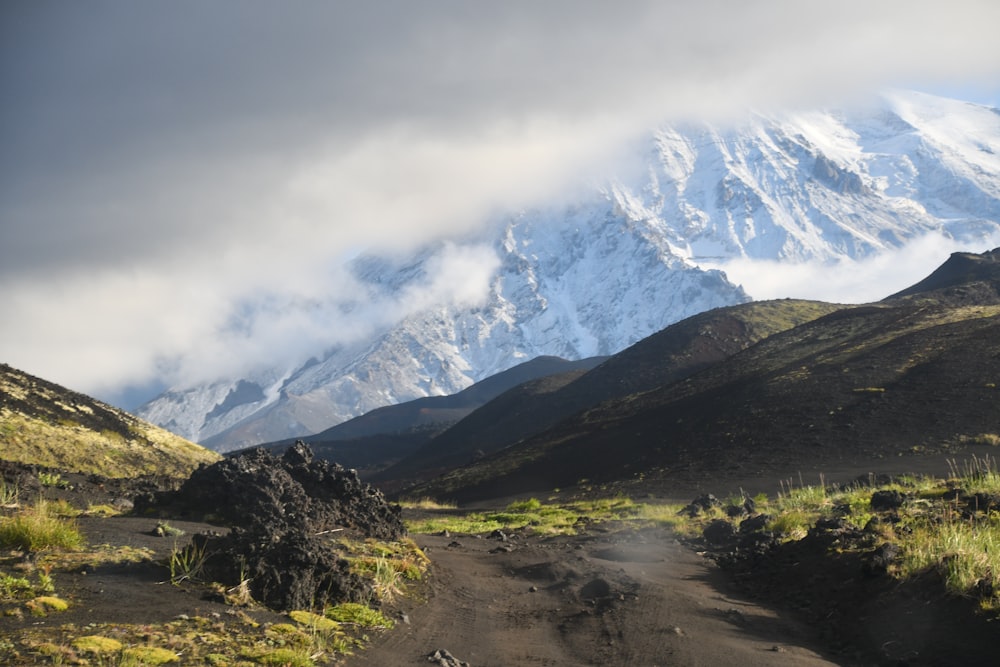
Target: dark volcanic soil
<point x="602" y="597"/>
<point x="593" y="599"/>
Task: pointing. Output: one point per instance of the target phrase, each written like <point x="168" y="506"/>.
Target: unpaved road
<point x="599" y="598"/>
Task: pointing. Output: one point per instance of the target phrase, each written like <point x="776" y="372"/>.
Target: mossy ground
<point x="42" y="579"/>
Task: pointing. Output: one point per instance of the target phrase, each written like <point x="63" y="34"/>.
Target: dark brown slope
<point x="502" y="420"/>
<point x="678" y="351"/>
<point x="964" y="278"/>
<point x="913" y="373"/>
<point x="387" y="434"/>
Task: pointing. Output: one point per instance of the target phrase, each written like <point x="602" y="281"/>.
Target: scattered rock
<point x="700" y="504"/>
<point x="746" y="508"/>
<point x="755" y="523"/>
<point x="735" y="616"/>
<point x="446" y="659"/>
<point x="878" y="561"/>
<point x="719" y="532"/>
<point x="887" y="501"/>
<point x="595" y="589"/>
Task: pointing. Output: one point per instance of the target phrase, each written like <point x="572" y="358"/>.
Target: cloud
<point x="849" y="281"/>
<point x="171" y="168"/>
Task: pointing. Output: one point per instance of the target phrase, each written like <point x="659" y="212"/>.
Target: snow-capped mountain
<point x="627" y="260"/>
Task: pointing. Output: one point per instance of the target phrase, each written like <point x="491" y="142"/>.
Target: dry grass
<point x="67" y="446"/>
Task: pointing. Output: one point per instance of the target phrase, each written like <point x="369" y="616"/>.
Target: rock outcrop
<point x="283" y="514"/>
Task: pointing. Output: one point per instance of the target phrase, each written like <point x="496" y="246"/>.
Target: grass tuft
<point x="187" y="563"/>
<point x="96" y="644"/>
<point x="43" y="605"/>
<point x="37" y="528"/>
<point x="141" y="656"/>
<point x="358" y="614"/>
<point x="314" y="621"/>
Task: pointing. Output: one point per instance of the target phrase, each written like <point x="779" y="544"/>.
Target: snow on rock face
<point x="623" y="263"/>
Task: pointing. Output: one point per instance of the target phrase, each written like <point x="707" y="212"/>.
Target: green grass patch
<point x="353" y="613"/>
<point x="45" y="604"/>
<point x="96" y="644"/>
<point x="933" y="529"/>
<point x="793" y="524"/>
<point x="314" y="621"/>
<point x="15" y="588"/>
<point x="555" y="518"/>
<point x="38" y="528"/>
<point x="426" y="504"/>
<point x="965" y="551"/>
<point x="141" y="656"/>
<point x="284" y="657"/>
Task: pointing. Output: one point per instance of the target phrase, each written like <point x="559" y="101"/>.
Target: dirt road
<point x="599" y="598"/>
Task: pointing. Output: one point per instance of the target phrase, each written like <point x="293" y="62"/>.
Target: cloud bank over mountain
<point x="181" y="182"/>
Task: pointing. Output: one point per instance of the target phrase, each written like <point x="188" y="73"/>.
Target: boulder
<point x="282" y="514"/>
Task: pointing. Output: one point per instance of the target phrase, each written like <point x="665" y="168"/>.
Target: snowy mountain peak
<point x="630" y="258"/>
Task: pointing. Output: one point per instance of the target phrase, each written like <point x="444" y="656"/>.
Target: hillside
<point x="678" y="351"/>
<point x="387" y="434"/>
<point x="915" y="373"/>
<point x="44" y="424"/>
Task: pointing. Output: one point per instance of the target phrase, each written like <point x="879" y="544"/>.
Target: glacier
<point x="633" y="255"/>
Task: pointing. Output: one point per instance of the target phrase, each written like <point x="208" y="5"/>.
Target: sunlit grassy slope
<point x="44" y="424"/>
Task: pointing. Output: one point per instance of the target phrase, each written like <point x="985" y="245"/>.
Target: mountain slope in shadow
<point x="387" y="434"/>
<point x="674" y="353"/>
<point x="916" y="372"/>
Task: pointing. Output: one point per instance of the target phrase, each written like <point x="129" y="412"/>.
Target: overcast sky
<point x="180" y="181"/>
